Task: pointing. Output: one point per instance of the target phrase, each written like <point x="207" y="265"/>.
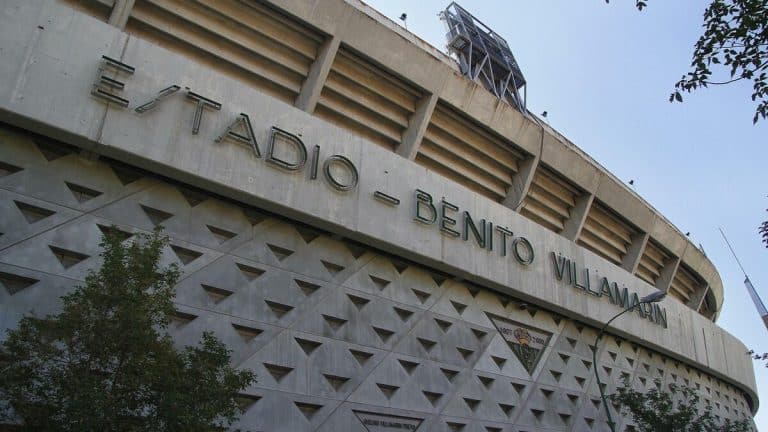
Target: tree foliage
<point x="733" y="47"/>
<point x="679" y="410"/>
<point x="106" y="362"/>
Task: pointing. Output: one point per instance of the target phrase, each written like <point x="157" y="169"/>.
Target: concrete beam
<point x="521" y="183"/>
<point x="417" y="126"/>
<point x="121" y="11"/>
<point x="579" y="212"/>
<point x="635" y="252"/>
<point x="667" y="275"/>
<point x="318" y="72"/>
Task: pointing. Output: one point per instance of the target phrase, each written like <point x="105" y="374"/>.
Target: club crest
<point x="526" y="342"/>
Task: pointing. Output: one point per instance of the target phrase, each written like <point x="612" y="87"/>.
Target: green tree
<point x="106" y="362"/>
<point x="733" y="47"/>
<point x="679" y="410"/>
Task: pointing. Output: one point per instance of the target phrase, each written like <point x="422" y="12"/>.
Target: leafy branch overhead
<point x="733" y="47"/>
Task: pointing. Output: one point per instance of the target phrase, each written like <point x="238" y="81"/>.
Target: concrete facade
<point x="346" y="307"/>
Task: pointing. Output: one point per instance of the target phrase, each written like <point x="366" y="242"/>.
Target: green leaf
<point x="106" y="362"/>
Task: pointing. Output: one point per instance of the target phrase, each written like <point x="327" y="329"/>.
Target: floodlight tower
<point x="484" y="56"/>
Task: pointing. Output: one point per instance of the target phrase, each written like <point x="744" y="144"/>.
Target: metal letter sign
<point x="105" y="86"/>
<point x="526" y="342"/>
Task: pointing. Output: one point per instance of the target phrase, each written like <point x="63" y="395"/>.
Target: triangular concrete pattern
<point x="46" y="180"/>
<point x="280" y="364"/>
<point x="190" y="258"/>
<point x="14" y="283"/>
<point x="222" y="273"/>
<point x="254" y="299"/>
<point x="278" y="411"/>
<point x="426" y="388"/>
<point x="40" y="183"/>
<point x="570" y="341"/>
<point x="380" y="277"/>
<point x="473" y="398"/>
<point x="459" y="345"/>
<point x="281" y="246"/>
<point x="365" y="326"/>
<point x="68" y="258"/>
<point x="575" y="367"/>
<point x="274" y="234"/>
<point x="230" y="330"/>
<point x="589" y="417"/>
<point x="406" y="390"/>
<point x="97" y="176"/>
<point x="339" y="262"/>
<point x="7" y="169"/>
<point x="187" y="323"/>
<point x="71" y="250"/>
<point x="14" y="224"/>
<point x="616" y="355"/>
<point x="458" y="303"/>
<point x="20" y="150"/>
<point x="195" y="225"/>
<point x="279" y="287"/>
<point x="28" y="298"/>
<point x="313" y="370"/>
<point x="148" y="206"/>
<point x="543" y="407"/>
<point x="376" y="277"/>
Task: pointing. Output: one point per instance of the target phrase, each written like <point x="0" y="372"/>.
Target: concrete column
<point x="318" y="72"/>
<point x="698" y="299"/>
<point x="417" y="126"/>
<point x="635" y="252"/>
<point x="521" y="183"/>
<point x="121" y="11"/>
<point x="667" y="274"/>
<point x="579" y="212"/>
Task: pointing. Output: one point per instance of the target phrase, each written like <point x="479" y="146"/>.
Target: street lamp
<point x="650" y="298"/>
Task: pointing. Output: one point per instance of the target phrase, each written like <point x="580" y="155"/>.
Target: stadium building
<point x="380" y="231"/>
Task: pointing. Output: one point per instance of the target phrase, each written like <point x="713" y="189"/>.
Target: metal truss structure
<point x="484" y="56"/>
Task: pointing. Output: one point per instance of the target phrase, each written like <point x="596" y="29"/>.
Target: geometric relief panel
<point x="341" y="336"/>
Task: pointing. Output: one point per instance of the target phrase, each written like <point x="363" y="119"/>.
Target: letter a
<point x="242" y="123"/>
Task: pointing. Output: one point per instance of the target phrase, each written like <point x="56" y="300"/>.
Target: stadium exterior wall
<point x="322" y="281"/>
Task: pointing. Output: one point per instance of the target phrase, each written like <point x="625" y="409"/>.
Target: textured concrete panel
<point x="336" y="331"/>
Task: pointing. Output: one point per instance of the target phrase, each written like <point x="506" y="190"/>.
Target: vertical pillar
<point x="698" y="299"/>
<point x="417" y="126"/>
<point x="667" y="275"/>
<point x="318" y="72"/>
<point x="521" y="183"/>
<point x="635" y="252"/>
<point x="121" y="11"/>
<point x="579" y="212"/>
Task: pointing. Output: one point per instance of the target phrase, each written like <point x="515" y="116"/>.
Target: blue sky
<point x="604" y="73"/>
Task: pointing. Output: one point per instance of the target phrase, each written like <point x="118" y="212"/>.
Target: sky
<point x="604" y="72"/>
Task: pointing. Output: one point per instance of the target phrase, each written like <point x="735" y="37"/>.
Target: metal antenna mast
<point x="748" y="283"/>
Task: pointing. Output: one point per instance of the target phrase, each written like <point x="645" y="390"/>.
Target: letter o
<point x="342" y="161"/>
<point x="523" y="258"/>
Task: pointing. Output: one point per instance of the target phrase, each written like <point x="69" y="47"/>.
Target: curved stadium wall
<point x="383" y="241"/>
